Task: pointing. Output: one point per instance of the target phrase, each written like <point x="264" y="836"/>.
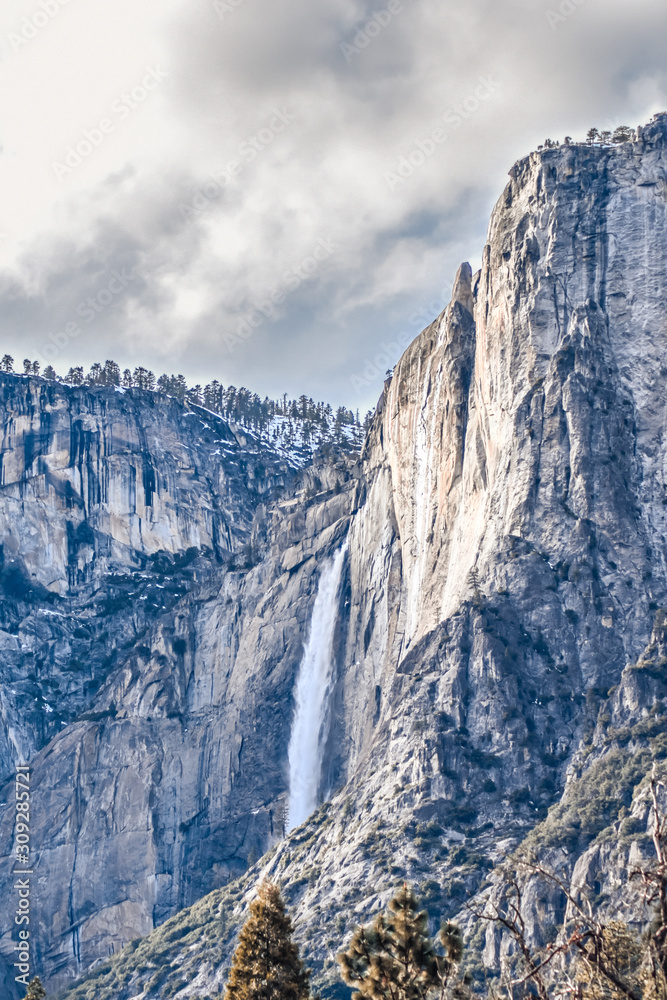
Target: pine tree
<point x="194" y="395"/>
<point x="266" y="963"/>
<point x="619" y="969"/>
<point x="451" y="940"/>
<point x="394" y="958"/>
<point x="110" y="373"/>
<point x="75" y="376"/>
<point x="95" y="374"/>
<point x="7" y="363"/>
<point x="35" y="990"/>
<point x="143" y="378"/>
<point x="623" y="134"/>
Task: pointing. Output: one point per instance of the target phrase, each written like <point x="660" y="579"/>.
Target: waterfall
<point x="312" y="693"/>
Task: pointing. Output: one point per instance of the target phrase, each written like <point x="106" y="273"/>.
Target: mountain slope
<point x="130" y="527"/>
<point x="506" y="562"/>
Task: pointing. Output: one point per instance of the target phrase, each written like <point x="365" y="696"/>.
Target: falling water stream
<point x="313" y="690"/>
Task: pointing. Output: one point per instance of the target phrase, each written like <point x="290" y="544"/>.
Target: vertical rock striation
<point x="506" y="562"/>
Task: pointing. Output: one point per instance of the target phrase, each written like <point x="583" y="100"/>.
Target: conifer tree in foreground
<point x="266" y="963"/>
<point x="35" y="990"/>
<point x="394" y="958"/>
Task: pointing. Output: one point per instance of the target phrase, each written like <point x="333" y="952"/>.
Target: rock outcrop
<point x="507" y="562"/>
<point x="139" y="631"/>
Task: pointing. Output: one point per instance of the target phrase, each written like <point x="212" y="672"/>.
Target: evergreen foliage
<point x="621" y="956"/>
<point x="622" y="133"/>
<point x="288" y="422"/>
<point x="266" y="963"/>
<point x="394" y="957"/>
<point x="589" y="955"/>
<point x="35" y="990"/>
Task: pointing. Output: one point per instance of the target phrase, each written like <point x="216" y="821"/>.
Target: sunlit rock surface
<point x="506" y="568"/>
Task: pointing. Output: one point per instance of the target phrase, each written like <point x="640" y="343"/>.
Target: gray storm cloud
<point x="299" y="189"/>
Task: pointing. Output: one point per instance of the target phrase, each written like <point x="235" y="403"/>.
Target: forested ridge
<point x="286" y="423"/>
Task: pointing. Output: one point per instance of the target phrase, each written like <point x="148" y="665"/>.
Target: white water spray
<point x="313" y="689"/>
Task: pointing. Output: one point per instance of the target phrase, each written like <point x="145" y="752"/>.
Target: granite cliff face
<point x="506" y="568"/>
<point x="144" y="647"/>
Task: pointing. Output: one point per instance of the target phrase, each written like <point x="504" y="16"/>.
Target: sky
<point x="278" y="194"/>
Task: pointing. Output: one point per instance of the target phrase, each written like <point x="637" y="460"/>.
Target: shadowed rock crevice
<point x="499" y="629"/>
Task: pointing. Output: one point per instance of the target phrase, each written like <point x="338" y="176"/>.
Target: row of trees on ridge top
<point x="594" y="137"/>
<point x="238" y="404"/>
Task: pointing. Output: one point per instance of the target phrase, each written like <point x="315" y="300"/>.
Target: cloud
<point x="277" y="126"/>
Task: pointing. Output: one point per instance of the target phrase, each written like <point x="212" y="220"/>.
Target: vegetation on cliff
<point x="266" y="963"/>
<point x="301" y="421"/>
<point x="590" y="953"/>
